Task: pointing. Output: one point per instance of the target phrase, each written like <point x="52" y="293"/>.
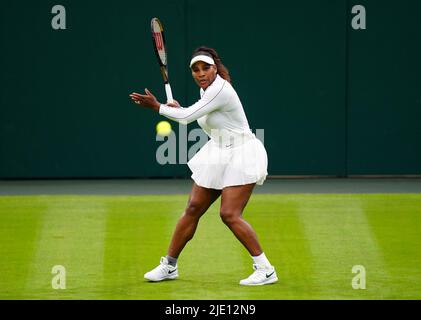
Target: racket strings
<point x="160" y="47"/>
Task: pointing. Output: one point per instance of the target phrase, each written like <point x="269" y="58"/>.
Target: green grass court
<point x="106" y="243"/>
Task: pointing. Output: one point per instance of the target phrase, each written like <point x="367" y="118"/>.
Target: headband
<point x="203" y="58"/>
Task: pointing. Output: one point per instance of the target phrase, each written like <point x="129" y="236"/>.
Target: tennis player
<point x="229" y="165"/>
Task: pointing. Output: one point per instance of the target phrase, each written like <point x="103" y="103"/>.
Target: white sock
<point x="261" y="260"/>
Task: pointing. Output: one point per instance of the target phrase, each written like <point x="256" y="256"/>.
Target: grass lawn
<point x="107" y="243"/>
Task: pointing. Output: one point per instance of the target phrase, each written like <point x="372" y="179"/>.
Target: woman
<point x="228" y="165"/>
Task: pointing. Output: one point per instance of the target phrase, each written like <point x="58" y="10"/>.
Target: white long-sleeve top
<point x="218" y="110"/>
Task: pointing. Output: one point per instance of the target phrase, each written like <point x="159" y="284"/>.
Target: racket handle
<point x="169" y="93"/>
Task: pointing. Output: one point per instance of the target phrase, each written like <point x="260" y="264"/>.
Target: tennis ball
<point x="163" y="128"/>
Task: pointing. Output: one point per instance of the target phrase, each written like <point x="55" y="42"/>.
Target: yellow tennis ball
<point x="163" y="128"/>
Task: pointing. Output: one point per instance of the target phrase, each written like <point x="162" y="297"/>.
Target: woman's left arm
<point x="149" y="101"/>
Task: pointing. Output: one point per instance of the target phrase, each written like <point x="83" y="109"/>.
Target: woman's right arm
<point x="211" y="101"/>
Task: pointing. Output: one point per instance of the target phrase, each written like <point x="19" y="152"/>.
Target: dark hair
<point x="221" y="69"/>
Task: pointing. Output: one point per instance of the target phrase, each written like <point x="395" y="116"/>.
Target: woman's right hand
<point x="174" y="104"/>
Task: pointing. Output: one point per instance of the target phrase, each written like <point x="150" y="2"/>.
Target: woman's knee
<point x="229" y="216"/>
<point x="194" y="208"/>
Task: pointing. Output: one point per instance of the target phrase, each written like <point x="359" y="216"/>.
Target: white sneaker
<point x="162" y="272"/>
<point x="262" y="275"/>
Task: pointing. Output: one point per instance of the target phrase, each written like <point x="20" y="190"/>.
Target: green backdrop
<point x="331" y="100"/>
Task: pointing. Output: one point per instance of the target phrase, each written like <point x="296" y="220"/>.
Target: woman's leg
<point x="199" y="201"/>
<point x="233" y="202"/>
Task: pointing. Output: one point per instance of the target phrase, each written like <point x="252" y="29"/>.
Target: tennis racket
<point x="158" y="40"/>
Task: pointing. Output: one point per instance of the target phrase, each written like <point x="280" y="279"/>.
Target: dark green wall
<point x="332" y="100"/>
<point x="384" y="90"/>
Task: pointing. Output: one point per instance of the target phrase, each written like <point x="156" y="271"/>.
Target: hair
<point x="221" y="69"/>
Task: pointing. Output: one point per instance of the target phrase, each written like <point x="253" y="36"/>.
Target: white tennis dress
<point x="233" y="155"/>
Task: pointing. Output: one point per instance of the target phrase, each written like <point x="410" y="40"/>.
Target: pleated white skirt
<point x="218" y="166"/>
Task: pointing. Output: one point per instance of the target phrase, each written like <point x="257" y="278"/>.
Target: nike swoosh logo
<point x="268" y="275"/>
<point x="169" y="271"/>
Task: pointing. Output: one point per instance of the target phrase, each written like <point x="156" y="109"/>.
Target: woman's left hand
<point x="147" y="100"/>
